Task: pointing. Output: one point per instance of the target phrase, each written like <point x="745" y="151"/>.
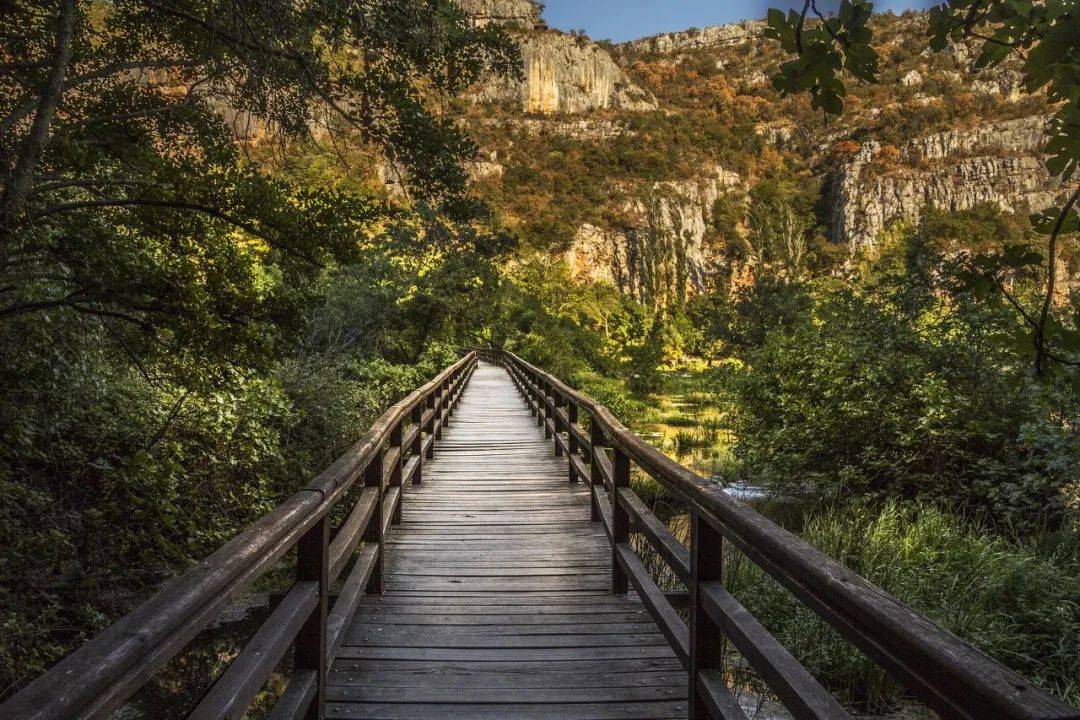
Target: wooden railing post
<point x="417" y="448"/>
<point x="430" y="429"/>
<point x="573" y="449"/>
<point x="396" y="436"/>
<point x="453" y="394"/>
<point x="312" y="565"/>
<point x="440" y="409"/>
<point x="559" y="403"/>
<point x="373" y="533"/>
<point x="548" y="411"/>
<point x="620" y="521"/>
<point x="447" y="397"/>
<point x="530" y="396"/>
<point x="706" y="637"/>
<point x="596" y="479"/>
<point x="538" y="397"/>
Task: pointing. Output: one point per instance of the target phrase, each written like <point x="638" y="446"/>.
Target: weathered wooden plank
<point x="241" y="682"/>
<point x="675" y="554"/>
<point x="497" y="587"/>
<point x="581" y="711"/>
<point x="487" y="696"/>
<point x="496" y="668"/>
<point x="669" y="621"/>
<point x="797" y="689"/>
<point x="460" y="678"/>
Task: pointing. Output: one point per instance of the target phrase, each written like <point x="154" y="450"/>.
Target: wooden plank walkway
<point x="498" y="599"/>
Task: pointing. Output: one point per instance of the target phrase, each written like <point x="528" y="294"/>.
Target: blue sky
<point x="628" y="19"/>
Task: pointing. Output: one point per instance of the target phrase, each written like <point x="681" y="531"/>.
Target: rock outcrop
<point x="697" y="38"/>
<point x="1026" y="135"/>
<point x="999" y="163"/>
<point x="582" y="128"/>
<point x="517" y="13"/>
<point x="571" y="75"/>
<point x="662" y="254"/>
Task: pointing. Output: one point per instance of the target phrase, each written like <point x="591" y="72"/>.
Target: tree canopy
<point x="125" y="194"/>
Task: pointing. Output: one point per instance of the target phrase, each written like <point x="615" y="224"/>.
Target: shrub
<point x="893" y="398"/>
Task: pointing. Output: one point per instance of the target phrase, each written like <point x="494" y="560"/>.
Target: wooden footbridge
<point x="471" y="557"/>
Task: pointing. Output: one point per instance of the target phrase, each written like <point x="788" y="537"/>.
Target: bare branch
<point x="1051" y="279"/>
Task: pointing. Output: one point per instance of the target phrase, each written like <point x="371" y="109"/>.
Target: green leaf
<point x="828" y="101"/>
<point x="1020" y="256"/>
<point x="1045" y="222"/>
<point x="992" y="54"/>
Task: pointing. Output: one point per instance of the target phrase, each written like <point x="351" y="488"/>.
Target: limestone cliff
<point x="566" y="74"/>
<point x="663" y="253"/>
<point x="998" y="163"/>
<point x="519" y="13"/>
<point x="696" y="38"/>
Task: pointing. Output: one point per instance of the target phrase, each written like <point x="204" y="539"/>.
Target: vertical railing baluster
<point x="559" y="403"/>
<point x="373" y="533"/>
<point x="396" y="436"/>
<point x="620" y="521"/>
<point x="530" y="395"/>
<point x="453" y="390"/>
<point x="447" y="397"/>
<point x="313" y="565"/>
<point x="417" y="448"/>
<point x="548" y="411"/>
<point x="430" y="428"/>
<point x="538" y="395"/>
<point x="706" y="637"/>
<point x="572" y="418"/>
<point x="440" y="405"/>
<point x="597" y="441"/>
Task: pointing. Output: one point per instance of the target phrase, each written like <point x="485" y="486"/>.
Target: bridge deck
<point x="497" y="599"/>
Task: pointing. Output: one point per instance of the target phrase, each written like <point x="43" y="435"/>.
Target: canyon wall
<point x="520" y="13"/>
<point x="663" y="252"/>
<point x="697" y="38"/>
<point x="567" y="75"/>
<point x="999" y="163"/>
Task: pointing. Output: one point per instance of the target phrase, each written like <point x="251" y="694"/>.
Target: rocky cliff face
<point x="518" y="13"/>
<point x="663" y="252"/>
<point x="568" y="75"/>
<point x="956" y="170"/>
<point x="696" y="39"/>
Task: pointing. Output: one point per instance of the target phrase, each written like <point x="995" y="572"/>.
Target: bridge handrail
<point x="944" y="671"/>
<point x="102" y="674"/>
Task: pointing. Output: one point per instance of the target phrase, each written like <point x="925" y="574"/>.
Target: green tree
<point x="124" y="194"/>
<point x="187" y="328"/>
<point x="889" y="388"/>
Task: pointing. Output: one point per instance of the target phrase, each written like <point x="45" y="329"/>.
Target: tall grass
<point x="1018" y="601"/>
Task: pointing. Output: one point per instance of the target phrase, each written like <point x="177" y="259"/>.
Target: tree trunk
<point x="19" y="184"/>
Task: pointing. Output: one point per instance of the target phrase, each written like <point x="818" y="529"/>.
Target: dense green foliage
<point x="199" y="307"/>
<point x="888" y="389"/>
<point x="205" y="297"/>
